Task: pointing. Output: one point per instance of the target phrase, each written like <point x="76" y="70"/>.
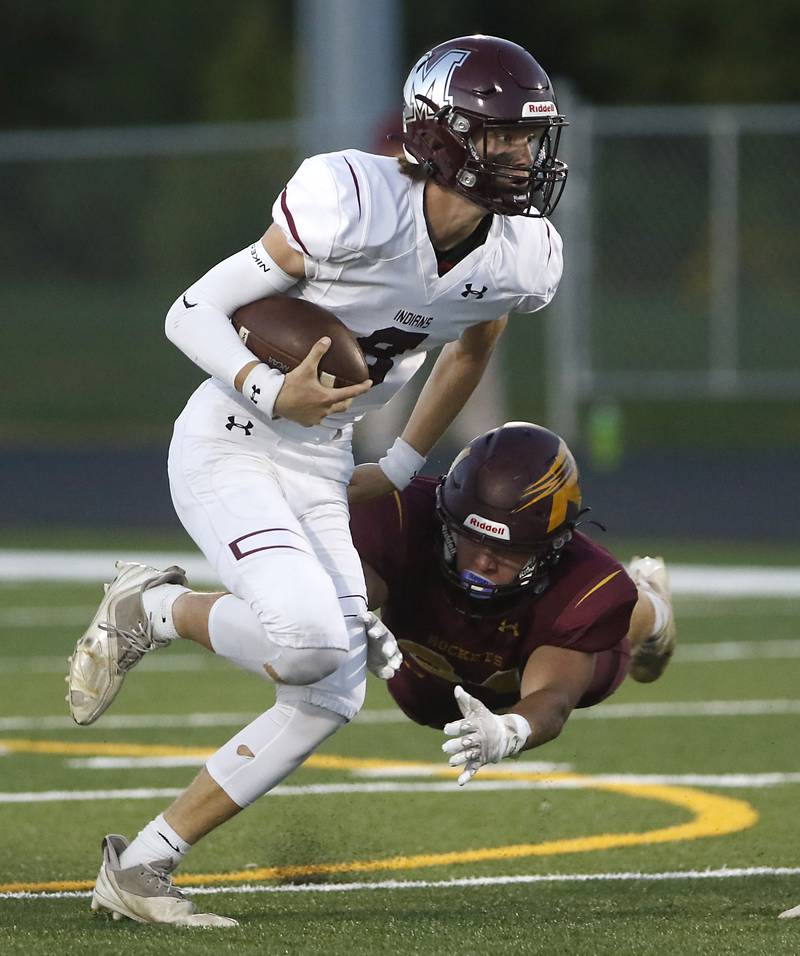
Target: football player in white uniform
<point x="432" y="250"/>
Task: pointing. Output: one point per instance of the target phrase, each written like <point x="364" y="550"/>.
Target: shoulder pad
<point x="539" y="262"/>
<point x="327" y="209"/>
<point x="595" y="602"/>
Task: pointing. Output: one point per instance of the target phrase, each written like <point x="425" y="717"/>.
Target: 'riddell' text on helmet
<point x="514" y="488"/>
<point x="480" y="116"/>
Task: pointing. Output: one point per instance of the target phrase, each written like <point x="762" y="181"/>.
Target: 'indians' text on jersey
<point x="360" y="224"/>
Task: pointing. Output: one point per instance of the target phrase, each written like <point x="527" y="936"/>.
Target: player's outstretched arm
<point x="482" y="737"/>
<point x="452" y="380"/>
<point x="553" y="682"/>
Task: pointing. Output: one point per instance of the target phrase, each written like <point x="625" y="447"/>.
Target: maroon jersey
<point x="586" y="607"/>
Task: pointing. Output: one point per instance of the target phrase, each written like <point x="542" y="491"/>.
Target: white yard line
<point x="720" y="651"/>
<point x="23" y="616"/>
<point x="696" y="579"/>
<point x="162" y="664"/>
<point x="725" y="873"/>
<point x="707" y="708"/>
<point x="31" y="617"/>
<point x="723" y="781"/>
<point x="607" y="711"/>
<point x="129" y="721"/>
<point x="700" y="653"/>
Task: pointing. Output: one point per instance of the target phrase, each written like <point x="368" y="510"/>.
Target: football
<point x="280" y="330"/>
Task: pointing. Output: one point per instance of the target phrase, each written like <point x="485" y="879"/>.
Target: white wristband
<point x="521" y="730"/>
<point x="401" y="463"/>
<point x="261" y="387"/>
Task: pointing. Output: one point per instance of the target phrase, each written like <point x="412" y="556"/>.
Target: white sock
<point x="660" y="609"/>
<point x="158" y="841"/>
<point x="158" y="603"/>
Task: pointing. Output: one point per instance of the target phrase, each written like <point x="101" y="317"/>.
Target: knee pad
<point x="305" y="665"/>
<point x="342" y="692"/>
<point x="290" y="618"/>
<point x="269" y="749"/>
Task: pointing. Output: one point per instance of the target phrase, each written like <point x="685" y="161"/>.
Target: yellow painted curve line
<point x="67" y="748"/>
<point x="712" y="816"/>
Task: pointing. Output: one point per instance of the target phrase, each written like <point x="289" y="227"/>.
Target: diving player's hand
<point x="482" y="737"/>
<point x="383" y="655"/>
<point x="368" y="481"/>
<point x="305" y="400"/>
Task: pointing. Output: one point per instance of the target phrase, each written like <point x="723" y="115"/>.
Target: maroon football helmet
<point x="516" y="488"/>
<point x="464" y="101"/>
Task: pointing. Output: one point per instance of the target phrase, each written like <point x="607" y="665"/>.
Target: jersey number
<point x="383" y="346"/>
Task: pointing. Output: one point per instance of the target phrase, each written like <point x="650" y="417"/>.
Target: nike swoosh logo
<point x="189" y="305"/>
<point x="175" y="848"/>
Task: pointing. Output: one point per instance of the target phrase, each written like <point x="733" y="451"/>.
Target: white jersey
<point x="360" y="224"/>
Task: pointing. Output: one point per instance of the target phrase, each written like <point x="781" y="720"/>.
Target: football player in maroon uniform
<point x="499" y="605"/>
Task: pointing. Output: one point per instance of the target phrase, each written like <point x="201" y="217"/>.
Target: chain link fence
<point x="681" y="281"/>
<point x="681" y="228"/>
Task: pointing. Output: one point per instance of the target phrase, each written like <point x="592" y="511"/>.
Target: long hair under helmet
<point x="517" y="488"/>
<point x="460" y="99"/>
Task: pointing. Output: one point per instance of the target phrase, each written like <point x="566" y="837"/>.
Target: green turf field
<point x="337" y="870"/>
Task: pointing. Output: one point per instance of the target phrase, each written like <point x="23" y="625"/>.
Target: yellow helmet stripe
<point x="560" y="481"/>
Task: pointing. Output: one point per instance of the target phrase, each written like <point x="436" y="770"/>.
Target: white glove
<point x="383" y="655"/>
<point x="482" y="737"/>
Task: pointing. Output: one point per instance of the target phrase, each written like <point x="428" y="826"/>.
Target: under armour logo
<point x="254" y="390"/>
<point x="468" y="291"/>
<point x="232" y="423"/>
<point x="508" y="626"/>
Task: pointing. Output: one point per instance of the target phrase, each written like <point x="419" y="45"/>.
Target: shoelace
<point x="138" y="643"/>
<point x="163" y="881"/>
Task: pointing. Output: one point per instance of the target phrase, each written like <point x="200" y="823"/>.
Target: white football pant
<point x="279" y="540"/>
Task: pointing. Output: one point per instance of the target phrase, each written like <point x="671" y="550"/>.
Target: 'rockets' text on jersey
<point x="587" y="607"/>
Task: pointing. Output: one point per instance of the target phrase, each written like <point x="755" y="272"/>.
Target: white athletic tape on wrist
<point x="261" y="389"/>
<point x="401" y="463"/>
<point x="522" y="730"/>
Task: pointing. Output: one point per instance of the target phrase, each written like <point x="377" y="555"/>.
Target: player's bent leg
<point x="295" y="635"/>
<point x="118" y="637"/>
<point x="144" y="892"/>
<point x="343" y="691"/>
<point x="610" y="670"/>
<point x="281" y="619"/>
<point x="265" y="752"/>
<point x="650" y="653"/>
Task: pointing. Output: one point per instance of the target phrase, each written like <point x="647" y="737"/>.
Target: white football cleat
<point x="793" y="913"/>
<point x="650" y="658"/>
<point x="144" y="892"/>
<point x="117" y="639"/>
